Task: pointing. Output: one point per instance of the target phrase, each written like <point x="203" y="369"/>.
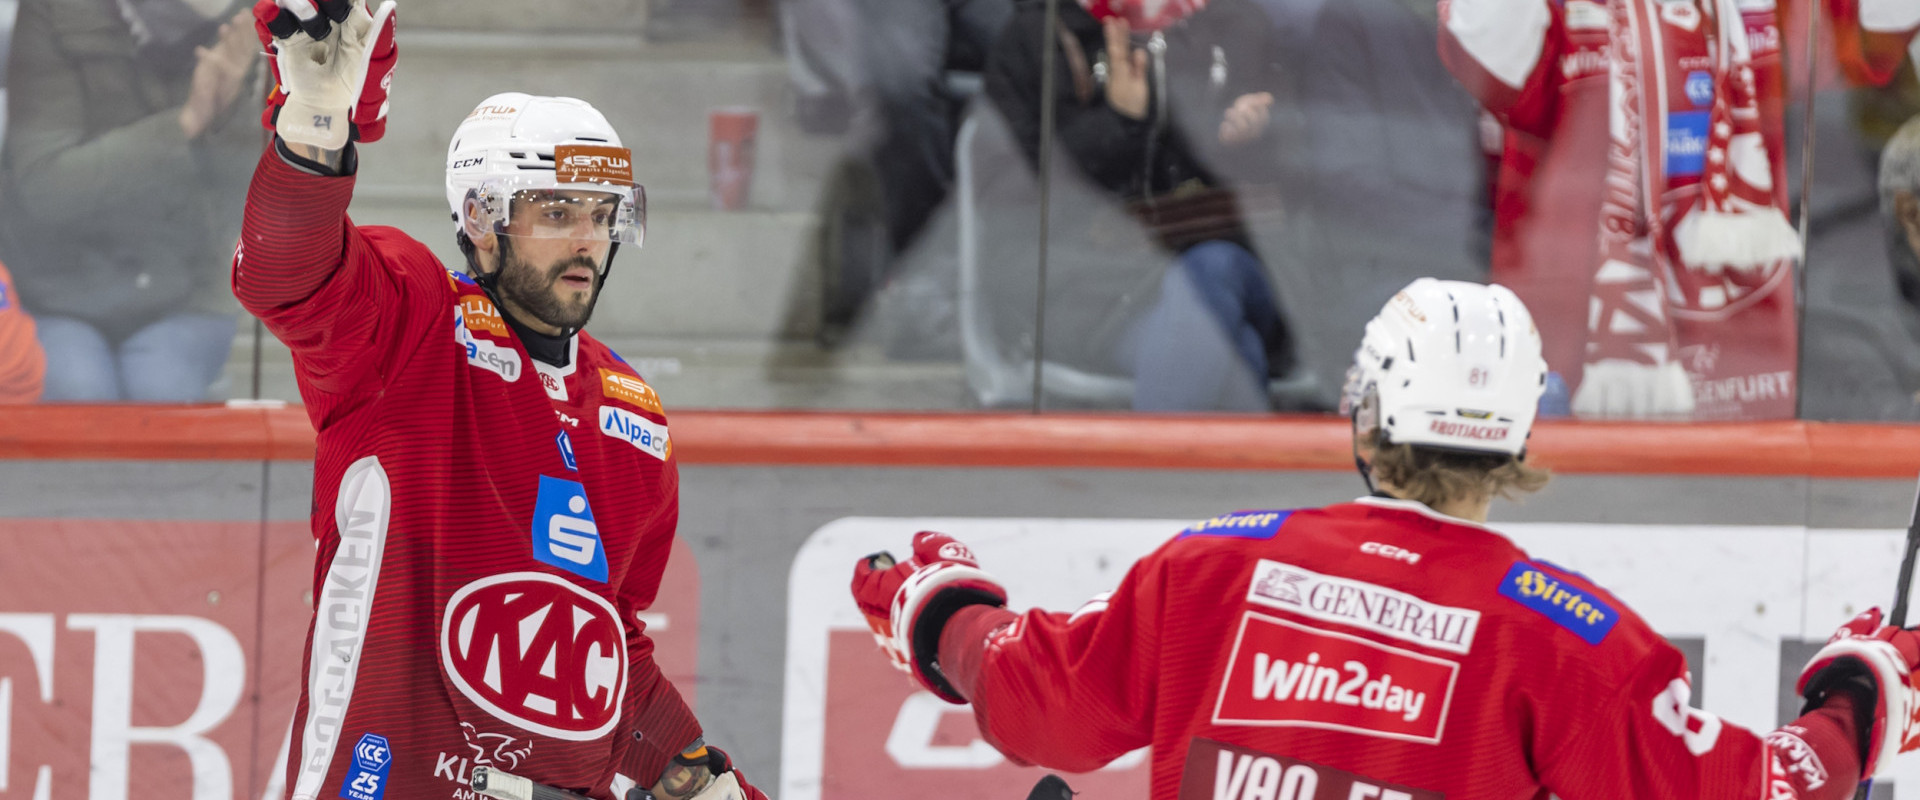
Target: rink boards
<point x="152" y="605"/>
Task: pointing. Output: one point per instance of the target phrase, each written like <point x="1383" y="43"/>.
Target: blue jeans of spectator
<point x="1203" y="345"/>
<point x="174" y="360"/>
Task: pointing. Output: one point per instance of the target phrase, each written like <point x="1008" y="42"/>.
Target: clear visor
<point x="534" y="206"/>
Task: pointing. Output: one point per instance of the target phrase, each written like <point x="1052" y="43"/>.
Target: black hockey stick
<point x="1903" y="591"/>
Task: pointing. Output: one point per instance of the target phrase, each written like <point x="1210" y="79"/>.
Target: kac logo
<point x="1700" y="87"/>
<point x="564" y="533"/>
<point x="538" y="652"/>
<point x="367" y="780"/>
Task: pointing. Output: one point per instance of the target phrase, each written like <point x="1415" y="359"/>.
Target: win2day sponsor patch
<point x="1284" y="674"/>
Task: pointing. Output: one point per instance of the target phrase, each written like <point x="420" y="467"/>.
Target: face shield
<point x="589" y="196"/>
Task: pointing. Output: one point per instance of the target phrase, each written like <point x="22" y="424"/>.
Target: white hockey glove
<point x="908" y="603"/>
<point x="333" y="67"/>
<point x="1878" y="659"/>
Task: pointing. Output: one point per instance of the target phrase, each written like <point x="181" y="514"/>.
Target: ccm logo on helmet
<point x="469" y="162"/>
<point x="1463" y="430"/>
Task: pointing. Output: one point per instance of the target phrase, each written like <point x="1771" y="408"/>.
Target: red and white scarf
<point x="1689" y="221"/>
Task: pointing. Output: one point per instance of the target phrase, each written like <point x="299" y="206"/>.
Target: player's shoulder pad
<point x="1239" y="525"/>
<point x="1566" y="597"/>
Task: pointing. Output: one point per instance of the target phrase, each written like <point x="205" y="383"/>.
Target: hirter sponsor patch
<point x="1221" y="771"/>
<point x="1363" y="605"/>
<point x="1284" y="674"/>
<point x="1240" y="525"/>
<point x="1587" y="616"/>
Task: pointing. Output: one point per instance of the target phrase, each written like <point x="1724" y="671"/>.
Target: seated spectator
<point x="125" y="164"/>
<point x="1152" y="128"/>
<point x="1900" y="209"/>
<point x="876" y="71"/>
<point x="22" y="363"/>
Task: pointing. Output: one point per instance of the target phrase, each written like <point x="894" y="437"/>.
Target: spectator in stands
<point x="123" y="173"/>
<point x="876" y="70"/>
<point x="23" y="365"/>
<point x="1155" y="127"/>
<point x="1900" y="209"/>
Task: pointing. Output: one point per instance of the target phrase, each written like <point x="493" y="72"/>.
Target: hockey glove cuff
<point x="1878" y="661"/>
<point x="907" y="604"/>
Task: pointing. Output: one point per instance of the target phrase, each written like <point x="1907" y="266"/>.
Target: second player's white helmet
<point x="1451" y="365"/>
<point x="515" y="142"/>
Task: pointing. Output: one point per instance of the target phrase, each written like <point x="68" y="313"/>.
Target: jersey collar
<point x="1422" y="509"/>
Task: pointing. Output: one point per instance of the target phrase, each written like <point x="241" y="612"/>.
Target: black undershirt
<point x="549" y="350"/>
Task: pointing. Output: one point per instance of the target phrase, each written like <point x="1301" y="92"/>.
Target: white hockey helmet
<point x="515" y="142"/>
<point x="1450" y="365"/>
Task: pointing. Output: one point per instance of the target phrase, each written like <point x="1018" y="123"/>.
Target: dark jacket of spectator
<point x="113" y="215"/>
<point x="1104" y="265"/>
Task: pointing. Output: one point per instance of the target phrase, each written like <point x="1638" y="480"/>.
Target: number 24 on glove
<point x="333" y="66"/>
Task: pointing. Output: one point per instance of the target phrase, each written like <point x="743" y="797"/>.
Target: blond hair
<point x="1434" y="476"/>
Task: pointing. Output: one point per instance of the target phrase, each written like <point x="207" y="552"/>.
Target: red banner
<point x="161" y="659"/>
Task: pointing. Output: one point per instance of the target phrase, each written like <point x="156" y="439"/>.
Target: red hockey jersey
<point x="1377" y="650"/>
<point x="487" y="526"/>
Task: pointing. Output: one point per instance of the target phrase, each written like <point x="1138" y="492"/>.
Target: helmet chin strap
<point x="1360" y="464"/>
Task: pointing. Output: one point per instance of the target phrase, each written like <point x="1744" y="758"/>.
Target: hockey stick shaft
<point x="1903" y="591"/>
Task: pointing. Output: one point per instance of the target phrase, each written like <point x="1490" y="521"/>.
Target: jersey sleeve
<point x="657" y="715"/>
<point x="1645" y="741"/>
<point x="1503" y="52"/>
<point x="1064" y="691"/>
<point x="343" y="303"/>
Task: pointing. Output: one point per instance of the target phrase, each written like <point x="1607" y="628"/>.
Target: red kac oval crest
<point x="538" y="652"/>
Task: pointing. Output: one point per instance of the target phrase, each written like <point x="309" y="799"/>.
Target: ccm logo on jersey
<point x="649" y="436"/>
<point x="630" y="390"/>
<point x="1389" y="551"/>
<point x="1220" y="771"/>
<point x="1363" y="605"/>
<point x="1586" y="615"/>
<point x="1284" y="675"/>
<point x="537" y="652"/>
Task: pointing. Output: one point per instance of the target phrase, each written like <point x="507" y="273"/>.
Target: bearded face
<point x="560" y="292"/>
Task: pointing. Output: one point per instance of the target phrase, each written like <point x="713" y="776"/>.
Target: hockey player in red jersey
<point x="1392" y="647"/>
<point x="495" y="492"/>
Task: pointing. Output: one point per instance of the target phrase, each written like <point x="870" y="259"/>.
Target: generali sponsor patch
<point x="1221" y="771"/>
<point x="630" y="390"/>
<point x="1363" y="605"/>
<point x="1283" y="674"/>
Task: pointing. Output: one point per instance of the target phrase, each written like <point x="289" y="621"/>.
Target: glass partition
<point x="847" y="195"/>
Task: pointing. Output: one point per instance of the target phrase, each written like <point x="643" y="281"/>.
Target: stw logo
<point x="536" y="651"/>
